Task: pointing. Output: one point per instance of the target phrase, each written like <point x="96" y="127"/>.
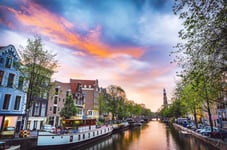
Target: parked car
<point x="191" y="126"/>
<point x="8" y="132"/>
<point x="207" y="131"/>
<point x="201" y="128"/>
<point x="49" y="128"/>
<point x="222" y="134"/>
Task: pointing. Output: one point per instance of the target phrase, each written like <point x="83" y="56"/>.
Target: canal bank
<point x="218" y="143"/>
<point x="25" y="143"/>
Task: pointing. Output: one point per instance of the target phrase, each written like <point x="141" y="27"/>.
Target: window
<point x="89" y="112"/>
<point x="58" y="108"/>
<point x="45" y="95"/>
<point x="6" y="102"/>
<point x="20" y="83"/>
<point x="56" y="91"/>
<point x="67" y="93"/>
<point x="80" y="112"/>
<point x="17" y="103"/>
<point x="43" y="110"/>
<point x="36" y="108"/>
<point x="1" y="76"/>
<point x="54" y="110"/>
<point x="35" y="125"/>
<point x="8" y="62"/>
<point x="10" y="80"/>
<point x="50" y="108"/>
<point x="55" y="100"/>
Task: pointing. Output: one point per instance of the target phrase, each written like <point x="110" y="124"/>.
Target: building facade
<point x="57" y="96"/>
<point x="85" y="94"/>
<point x="90" y="89"/>
<point x="38" y="110"/>
<point x="222" y="105"/>
<point x="12" y="89"/>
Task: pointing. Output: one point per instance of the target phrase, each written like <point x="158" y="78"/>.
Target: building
<point x="39" y="101"/>
<point x="90" y="89"/>
<point x="165" y="102"/>
<point x="57" y="96"/>
<point x="12" y="89"/>
<point x="85" y="94"/>
<point x="222" y="105"/>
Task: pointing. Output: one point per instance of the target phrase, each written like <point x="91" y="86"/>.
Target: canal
<point x="151" y="136"/>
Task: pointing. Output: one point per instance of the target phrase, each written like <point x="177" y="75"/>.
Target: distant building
<point x="165" y="102"/>
<point x="12" y="89"/>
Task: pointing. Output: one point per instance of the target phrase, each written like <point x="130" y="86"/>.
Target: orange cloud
<point x="59" y="30"/>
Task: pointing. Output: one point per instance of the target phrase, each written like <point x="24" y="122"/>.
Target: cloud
<point x="125" y="43"/>
<point x="60" y="31"/>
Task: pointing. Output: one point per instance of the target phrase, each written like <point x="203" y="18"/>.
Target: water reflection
<point x="152" y="136"/>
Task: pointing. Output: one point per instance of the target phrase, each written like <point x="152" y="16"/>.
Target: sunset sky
<point x="121" y="42"/>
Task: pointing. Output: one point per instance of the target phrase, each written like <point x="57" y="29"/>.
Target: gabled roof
<point x="74" y="83"/>
<point x="9" y="47"/>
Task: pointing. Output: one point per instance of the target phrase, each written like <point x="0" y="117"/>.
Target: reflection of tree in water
<point x="181" y="142"/>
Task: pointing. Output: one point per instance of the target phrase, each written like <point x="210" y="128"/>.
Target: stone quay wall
<point x="218" y="143"/>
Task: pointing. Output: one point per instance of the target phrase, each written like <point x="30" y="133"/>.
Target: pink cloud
<point x="59" y="30"/>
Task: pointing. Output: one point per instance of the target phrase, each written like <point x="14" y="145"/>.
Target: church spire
<point x="165" y="103"/>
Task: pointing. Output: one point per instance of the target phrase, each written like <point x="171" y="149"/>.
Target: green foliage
<point x="37" y="66"/>
<point x="116" y="103"/>
<point x="202" y="54"/>
<point x="69" y="108"/>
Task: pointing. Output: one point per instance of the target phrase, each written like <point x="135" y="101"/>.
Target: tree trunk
<point x="195" y="116"/>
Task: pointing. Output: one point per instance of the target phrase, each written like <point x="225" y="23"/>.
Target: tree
<point x="37" y="66"/>
<point x="203" y="52"/>
<point x="69" y="108"/>
<point x="116" y="98"/>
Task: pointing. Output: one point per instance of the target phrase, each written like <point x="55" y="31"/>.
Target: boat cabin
<point x="80" y="124"/>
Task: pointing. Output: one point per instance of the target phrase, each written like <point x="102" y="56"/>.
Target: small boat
<point x="184" y="132"/>
<point x="79" y="133"/>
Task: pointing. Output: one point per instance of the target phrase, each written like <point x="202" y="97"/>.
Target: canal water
<point x="151" y="136"/>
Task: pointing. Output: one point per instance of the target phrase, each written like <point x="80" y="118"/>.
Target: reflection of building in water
<point x="101" y="145"/>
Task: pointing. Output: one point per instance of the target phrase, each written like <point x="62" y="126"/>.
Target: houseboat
<point x="76" y="133"/>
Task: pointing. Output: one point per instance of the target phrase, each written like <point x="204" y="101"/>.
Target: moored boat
<point x="80" y="132"/>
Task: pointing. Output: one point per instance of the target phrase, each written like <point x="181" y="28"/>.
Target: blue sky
<point x="121" y="42"/>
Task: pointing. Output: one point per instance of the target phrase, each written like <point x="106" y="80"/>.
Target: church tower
<point x="165" y="103"/>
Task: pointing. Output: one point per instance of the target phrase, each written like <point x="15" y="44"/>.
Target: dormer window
<point x="8" y="62"/>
